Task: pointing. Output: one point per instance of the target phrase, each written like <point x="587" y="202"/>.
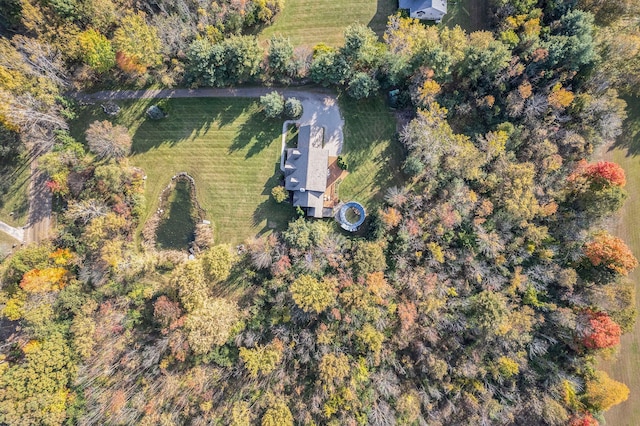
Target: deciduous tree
<point x="108" y="141"/>
<point x="607" y="251"/>
<point x="312" y="295"/>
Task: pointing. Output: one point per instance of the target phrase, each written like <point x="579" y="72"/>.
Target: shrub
<point x="272" y="104"/>
<point x="279" y="194"/>
<point x="154" y="112"/>
<point x="413" y="166"/>
<point x="292" y="108"/>
<point x="362" y="86"/>
<point x="342" y="162"/>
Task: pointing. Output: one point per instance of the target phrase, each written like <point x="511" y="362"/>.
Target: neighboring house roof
<point x="306" y="170"/>
<point x="425" y="9"/>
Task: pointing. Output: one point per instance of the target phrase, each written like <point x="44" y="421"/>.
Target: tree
<point x="604" y="332"/>
<point x="292" y="108"/>
<point x="312" y="295"/>
<point x="217" y="263"/>
<point x="97" y="51"/>
<point x="280" y="58"/>
<point x="262" y="359"/>
<point x="361" y="48"/>
<point x="44" y="280"/>
<point x="602" y="392"/>
<point x="211" y="324"/>
<point x="278" y="414"/>
<point x="362" y="85"/>
<point x="108" y="141"/>
<point x="192" y="287"/>
<point x="333" y="370"/>
<point x="35" y="391"/>
<point x="272" y="104"/>
<point x="369" y="257"/>
<point x="234" y="60"/>
<point x="607" y="251"/>
<point x="138" y="43"/>
<point x="605" y="172"/>
<point x="279" y="194"/>
<point x="329" y="67"/>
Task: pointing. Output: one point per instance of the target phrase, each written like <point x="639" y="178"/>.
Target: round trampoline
<point x="351" y="216"/>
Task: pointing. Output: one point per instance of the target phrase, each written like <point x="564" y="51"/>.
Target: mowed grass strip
<point x="309" y="22"/>
<point x="627" y="366"/>
<point x="373" y="153"/>
<point x="228" y="147"/>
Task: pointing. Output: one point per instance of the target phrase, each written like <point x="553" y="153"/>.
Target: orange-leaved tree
<point x="44" y="280"/>
<point x="610" y="252"/>
<point x="604" y="332"/>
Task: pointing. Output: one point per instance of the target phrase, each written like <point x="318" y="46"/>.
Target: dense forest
<point x="483" y="292"/>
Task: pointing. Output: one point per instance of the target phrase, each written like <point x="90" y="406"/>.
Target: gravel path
<point x="16" y="233"/>
<point x="39" y="224"/>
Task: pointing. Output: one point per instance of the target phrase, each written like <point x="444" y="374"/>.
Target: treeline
<point x="482" y="293"/>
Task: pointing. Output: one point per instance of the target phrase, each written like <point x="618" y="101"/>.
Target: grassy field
<point x="627" y="366"/>
<point x="231" y="152"/>
<point x="371" y="150"/>
<point x="16" y="198"/>
<point x="469" y="14"/>
<point x="309" y="22"/>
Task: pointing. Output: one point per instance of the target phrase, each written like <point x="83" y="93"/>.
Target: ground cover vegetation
<point x="483" y="292"/>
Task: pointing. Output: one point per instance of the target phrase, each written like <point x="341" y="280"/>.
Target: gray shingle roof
<point x="306" y="166"/>
<point x="416" y="5"/>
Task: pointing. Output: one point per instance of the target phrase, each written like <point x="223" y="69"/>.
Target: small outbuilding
<point x="430" y="10"/>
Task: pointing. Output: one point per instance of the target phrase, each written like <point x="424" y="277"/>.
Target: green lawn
<point x="372" y="152"/>
<point x="16" y="197"/>
<point x="627" y="367"/>
<point x="309" y="22"/>
<point x="469" y="14"/>
<point x="229" y="149"/>
<point x="233" y="154"/>
<point x="6" y="244"/>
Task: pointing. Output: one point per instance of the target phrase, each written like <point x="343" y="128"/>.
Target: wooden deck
<point x="336" y="175"/>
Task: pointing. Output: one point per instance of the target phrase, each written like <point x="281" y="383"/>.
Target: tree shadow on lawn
<point x="177" y="228"/>
<point x="378" y="22"/>
<point x="187" y="119"/>
<point x="256" y="134"/>
<point x="630" y="137"/>
<point x="180" y="125"/>
<point x="277" y="215"/>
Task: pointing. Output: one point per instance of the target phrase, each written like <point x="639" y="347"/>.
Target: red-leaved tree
<point x="584" y="420"/>
<point x="605" y="333"/>
<point x="606" y="171"/>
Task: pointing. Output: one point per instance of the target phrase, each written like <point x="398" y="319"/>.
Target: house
<point x="431" y="10"/>
<point x="311" y="174"/>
